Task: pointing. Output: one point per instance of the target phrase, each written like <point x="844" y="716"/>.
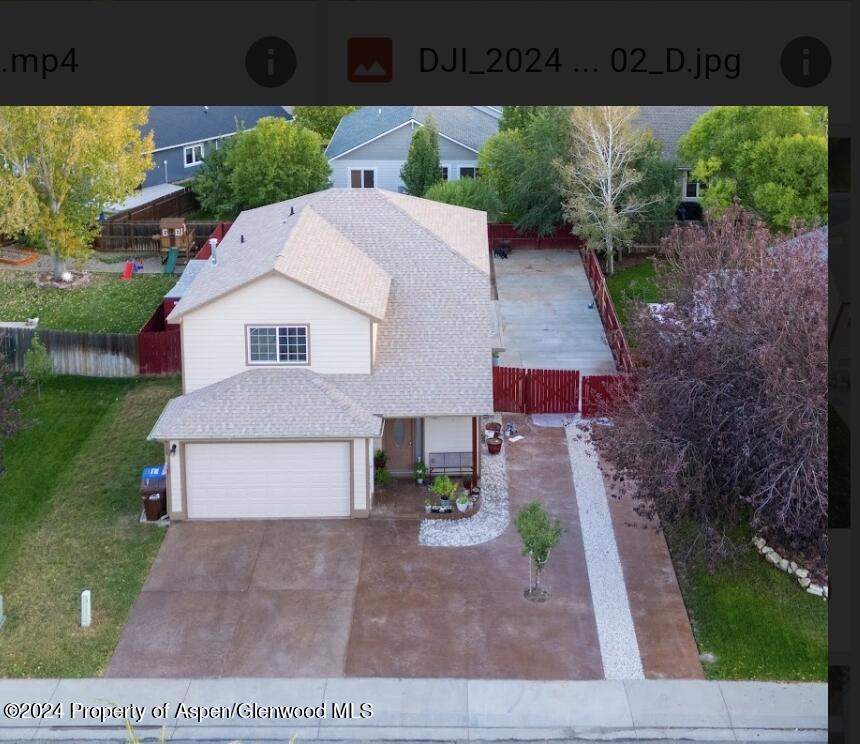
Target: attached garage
<point x="268" y="480"/>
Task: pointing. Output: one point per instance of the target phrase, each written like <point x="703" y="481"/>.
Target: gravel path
<point x="491" y="520"/>
<point x="618" y="645"/>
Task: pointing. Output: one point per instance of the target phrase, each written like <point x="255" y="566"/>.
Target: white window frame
<point x="192" y="148"/>
<point x="278" y="328"/>
<point x="685" y="181"/>
<point x="362" y="170"/>
<point x="461" y="168"/>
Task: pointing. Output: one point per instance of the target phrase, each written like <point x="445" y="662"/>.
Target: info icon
<point x="805" y="61"/>
<point x="270" y="61"/>
<point x="370" y="59"/>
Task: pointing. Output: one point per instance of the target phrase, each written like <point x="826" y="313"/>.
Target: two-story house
<point x="323" y="329"/>
<point x="370" y="145"/>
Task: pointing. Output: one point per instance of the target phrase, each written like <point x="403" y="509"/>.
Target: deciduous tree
<point x="475" y="193"/>
<point x="322" y="119"/>
<point x="60" y="166"/>
<point x="726" y="424"/>
<point x="771" y="158"/>
<point x="600" y="185"/>
<point x="540" y="533"/>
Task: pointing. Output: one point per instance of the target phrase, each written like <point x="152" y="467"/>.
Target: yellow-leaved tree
<point x="61" y="165"/>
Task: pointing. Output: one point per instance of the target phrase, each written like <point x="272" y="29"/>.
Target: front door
<point x="398" y="443"/>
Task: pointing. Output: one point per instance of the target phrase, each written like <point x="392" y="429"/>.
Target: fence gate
<point x="535" y="390"/>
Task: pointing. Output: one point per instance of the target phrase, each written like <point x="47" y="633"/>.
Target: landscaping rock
<point x="783" y="564"/>
<point x="801" y="573"/>
<point x="804" y="582"/>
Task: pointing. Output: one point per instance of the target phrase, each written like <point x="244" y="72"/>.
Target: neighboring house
<point x="185" y="134"/>
<point x="369" y="146"/>
<point x="668" y="124"/>
<point x="325" y="328"/>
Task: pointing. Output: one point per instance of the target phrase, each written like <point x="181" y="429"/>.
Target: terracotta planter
<point x="494" y="445"/>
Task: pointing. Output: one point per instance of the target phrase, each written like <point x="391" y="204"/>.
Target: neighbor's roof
<point x="670" y="123"/>
<point x="266" y="403"/>
<point x="434" y="346"/>
<point x="176" y="125"/>
<point x="817" y="238"/>
<point x="468" y="125"/>
<point x="144" y="196"/>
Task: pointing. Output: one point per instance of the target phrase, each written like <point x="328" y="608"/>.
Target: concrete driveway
<point x="544" y="318"/>
<point x="361" y="598"/>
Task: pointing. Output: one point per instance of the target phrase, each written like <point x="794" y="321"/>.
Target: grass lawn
<point x="757" y="621"/>
<point x="68" y="522"/>
<point x="107" y="305"/>
<point x="632" y="282"/>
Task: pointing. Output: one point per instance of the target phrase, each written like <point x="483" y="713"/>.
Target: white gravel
<point x="619" y="648"/>
<point x="492" y="518"/>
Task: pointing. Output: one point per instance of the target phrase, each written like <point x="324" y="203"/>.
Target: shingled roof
<point x="434" y="344"/>
<point x="468" y="125"/>
<point x="670" y="123"/>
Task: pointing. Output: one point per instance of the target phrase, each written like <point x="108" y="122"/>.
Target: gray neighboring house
<point x="668" y="124"/>
<point x="369" y="146"/>
<point x="185" y="134"/>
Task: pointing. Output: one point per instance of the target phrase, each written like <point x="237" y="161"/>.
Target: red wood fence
<point x="614" y="332"/>
<point x="535" y="390"/>
<point x="561" y="237"/>
<point x="601" y="392"/>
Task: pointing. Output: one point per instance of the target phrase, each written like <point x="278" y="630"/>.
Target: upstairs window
<point x="278" y="344"/>
<point x="193" y="154"/>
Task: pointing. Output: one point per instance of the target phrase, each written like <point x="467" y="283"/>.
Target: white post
<point x="86" y="609"/>
<point x="2" y="614"/>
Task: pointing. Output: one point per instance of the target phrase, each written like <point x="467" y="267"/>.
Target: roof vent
<point x="242" y="238"/>
<point x="292" y="211"/>
<point x="213" y="245"/>
<point x="205" y="109"/>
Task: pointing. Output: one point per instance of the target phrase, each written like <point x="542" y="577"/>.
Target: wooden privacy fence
<point x="535" y="390"/>
<point x="75" y="352"/>
<point x="611" y="326"/>
<point x="561" y="237"/>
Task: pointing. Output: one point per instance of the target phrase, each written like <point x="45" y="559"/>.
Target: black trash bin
<point x="153" y="491"/>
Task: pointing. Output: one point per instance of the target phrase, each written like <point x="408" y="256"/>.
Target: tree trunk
<point x="610" y="263"/>
<point x="59" y="266"/>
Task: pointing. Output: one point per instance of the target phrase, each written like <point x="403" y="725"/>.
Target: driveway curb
<point x="438" y="710"/>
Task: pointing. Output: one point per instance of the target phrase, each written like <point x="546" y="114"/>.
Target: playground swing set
<point x="175" y="242"/>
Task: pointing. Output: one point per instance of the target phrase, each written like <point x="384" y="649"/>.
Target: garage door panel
<point x="272" y="480"/>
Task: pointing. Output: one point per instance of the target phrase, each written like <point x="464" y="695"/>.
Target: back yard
<point x="68" y="521"/>
<point x="755" y="620"/>
<point x="106" y="305"/>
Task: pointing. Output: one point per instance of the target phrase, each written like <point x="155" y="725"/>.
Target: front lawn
<point x="757" y="622"/>
<point x="68" y="522"/>
<point x="632" y="281"/>
<point x="107" y="305"/>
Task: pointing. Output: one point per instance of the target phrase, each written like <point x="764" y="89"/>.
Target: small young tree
<point x="322" y="119"/>
<point x="600" y="195"/>
<point x="540" y="533"/>
<point x="61" y="165"/>
<point x="421" y="169"/>
<point x="475" y="193"/>
<point x="38" y="363"/>
<point x="212" y="185"/>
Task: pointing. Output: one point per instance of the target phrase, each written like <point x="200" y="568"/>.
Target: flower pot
<point x="419" y="481"/>
<point x="461" y="507"/>
<point x="427" y="508"/>
<point x="493" y="429"/>
<point x="494" y="445"/>
<point x="467" y="484"/>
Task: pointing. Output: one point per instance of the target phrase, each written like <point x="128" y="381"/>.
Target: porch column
<point x="476" y="473"/>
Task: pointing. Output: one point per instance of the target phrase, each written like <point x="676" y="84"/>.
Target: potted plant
<point x="380" y="459"/>
<point x="428" y="505"/>
<point x="494" y="445"/>
<point x="381" y="477"/>
<point x="443" y="487"/>
<point x="462" y="502"/>
<point x="420" y="471"/>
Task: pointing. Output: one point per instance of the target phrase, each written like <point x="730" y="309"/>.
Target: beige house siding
<point x="360" y="495"/>
<point x="447" y="434"/>
<point x="214" y="343"/>
<point x="175" y="481"/>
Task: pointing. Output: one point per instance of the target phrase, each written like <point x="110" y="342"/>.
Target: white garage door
<point x="274" y="480"/>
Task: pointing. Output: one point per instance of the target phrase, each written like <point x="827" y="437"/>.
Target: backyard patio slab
<point x="544" y="318"/>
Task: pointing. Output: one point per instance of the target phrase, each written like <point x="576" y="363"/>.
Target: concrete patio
<point x="544" y="318"/>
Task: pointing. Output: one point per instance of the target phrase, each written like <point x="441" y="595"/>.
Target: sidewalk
<point x="429" y="710"/>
